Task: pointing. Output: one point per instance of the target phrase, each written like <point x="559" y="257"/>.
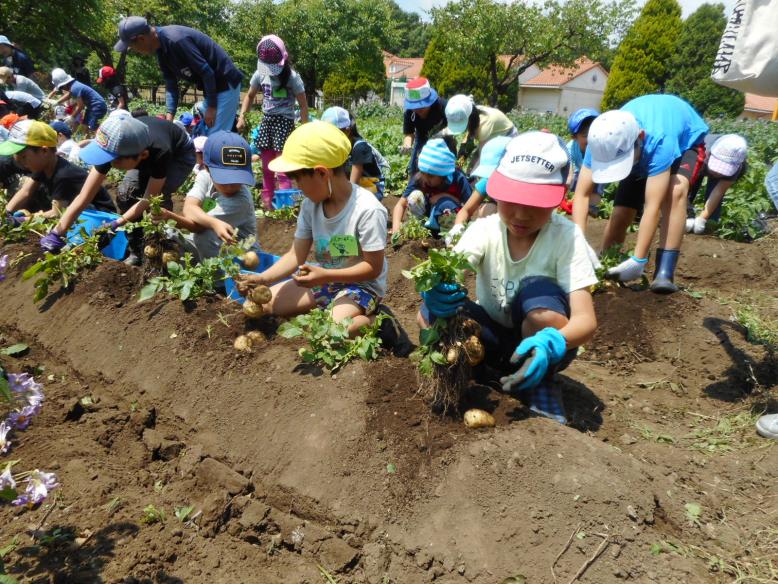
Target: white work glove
<point x="696" y="225"/>
<point x="452" y="237"/>
<point x="628" y="270"/>
<point x="417" y="204"/>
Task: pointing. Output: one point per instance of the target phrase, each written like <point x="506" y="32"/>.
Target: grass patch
<point x="759" y="329"/>
<point x="729" y="433"/>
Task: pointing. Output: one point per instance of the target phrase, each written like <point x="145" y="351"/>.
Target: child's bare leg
<point x="673" y="224"/>
<point x="538" y="319"/>
<point x="344" y="308"/>
<point x="289" y="299"/>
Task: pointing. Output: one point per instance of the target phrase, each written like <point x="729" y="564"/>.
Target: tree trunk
<point x="494" y="83"/>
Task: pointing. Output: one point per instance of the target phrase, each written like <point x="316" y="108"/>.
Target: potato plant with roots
<point x="450" y="347"/>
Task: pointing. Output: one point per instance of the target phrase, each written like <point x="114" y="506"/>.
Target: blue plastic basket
<point x="91" y="219"/>
<point x="286" y="198"/>
<point x="265" y="261"/>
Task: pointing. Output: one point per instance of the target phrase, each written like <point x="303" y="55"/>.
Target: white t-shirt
<point x="560" y="252"/>
<point x="66" y="148"/>
<point x="338" y="242"/>
<point x="237" y="209"/>
<point x="277" y="100"/>
<point x="29" y="86"/>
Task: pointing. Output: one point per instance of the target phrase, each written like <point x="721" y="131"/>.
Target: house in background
<point x="553" y="89"/>
<point x="562" y="90"/>
<point x="400" y="70"/>
<point x="759" y="107"/>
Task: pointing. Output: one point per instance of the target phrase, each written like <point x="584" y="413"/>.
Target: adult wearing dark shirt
<point x="15" y="58"/>
<point x="157" y="155"/>
<point x="425" y="115"/>
<point x="34" y="147"/>
<point x="186" y="54"/>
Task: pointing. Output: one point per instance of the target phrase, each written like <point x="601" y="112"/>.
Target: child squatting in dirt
<point x="345" y="224"/>
<point x="533" y="274"/>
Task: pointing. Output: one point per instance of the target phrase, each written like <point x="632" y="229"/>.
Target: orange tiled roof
<point x="555" y="76"/>
<point x="760" y="103"/>
<point x="409" y="68"/>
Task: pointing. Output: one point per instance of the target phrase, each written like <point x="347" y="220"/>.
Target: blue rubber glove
<point x="541" y="350"/>
<point x="53" y="242"/>
<point x="15" y="219"/>
<point x="444" y="300"/>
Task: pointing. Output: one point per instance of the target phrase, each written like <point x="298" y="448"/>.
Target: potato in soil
<point x="452" y="355"/>
<point x="474" y="350"/>
<point x="250" y="260"/>
<point x="170" y="256"/>
<point x="261" y="295"/>
<point x="152" y="250"/>
<point x="252" y="309"/>
<point x="479" y="419"/>
<point x="471" y="328"/>
<point x="256" y="338"/>
<point x="243" y="344"/>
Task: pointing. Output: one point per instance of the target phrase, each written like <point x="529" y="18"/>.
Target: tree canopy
<point x="643" y="60"/>
<point x="693" y="61"/>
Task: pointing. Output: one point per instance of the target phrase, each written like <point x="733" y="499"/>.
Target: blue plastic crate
<point x="91" y="219"/>
<point x="286" y="198"/>
<point x="265" y="261"/>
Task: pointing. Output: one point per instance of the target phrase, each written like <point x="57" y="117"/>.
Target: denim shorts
<point x="535" y="292"/>
<point x="329" y="293"/>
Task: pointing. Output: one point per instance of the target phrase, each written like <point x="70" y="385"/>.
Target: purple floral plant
<point x="3" y="266"/>
<point x="39" y="484"/>
<point x="20" y="419"/>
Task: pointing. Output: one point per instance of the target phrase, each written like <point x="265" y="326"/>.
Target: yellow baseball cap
<point x="311" y="145"/>
<point x="28" y="133"/>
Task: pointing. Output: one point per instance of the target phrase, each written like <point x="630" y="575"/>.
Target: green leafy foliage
<point x="35" y="225"/>
<point x="187" y="280"/>
<point x="152" y="515"/>
<point x="643" y="61"/>
<point x="153" y="228"/>
<point x="470" y="36"/>
<point x="443" y="266"/>
<point x="283" y="214"/>
<point x="65" y="266"/>
<point x="183" y="513"/>
<point x="329" y="343"/>
<point x="690" y="72"/>
<point x="411" y="230"/>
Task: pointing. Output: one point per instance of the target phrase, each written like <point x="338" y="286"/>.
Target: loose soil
<point x="289" y="468"/>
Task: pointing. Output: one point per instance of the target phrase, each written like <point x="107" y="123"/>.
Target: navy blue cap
<point x="129" y="28"/>
<point x="228" y="158"/>
<point x="578" y="117"/>
<point x="61" y="128"/>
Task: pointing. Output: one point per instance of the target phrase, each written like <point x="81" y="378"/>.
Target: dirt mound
<point x="287" y="468"/>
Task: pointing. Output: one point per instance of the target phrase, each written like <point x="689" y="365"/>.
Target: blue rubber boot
<point x="665" y="273"/>
<point x="658" y="261"/>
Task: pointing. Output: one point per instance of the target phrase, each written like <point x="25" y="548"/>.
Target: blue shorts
<point x="93" y="116"/>
<point x="535" y="292"/>
<point x="329" y="293"/>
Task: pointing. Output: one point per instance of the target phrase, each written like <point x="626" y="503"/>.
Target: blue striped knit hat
<point x="437" y="159"/>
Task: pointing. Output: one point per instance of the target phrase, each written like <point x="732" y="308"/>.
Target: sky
<point x="689" y="6"/>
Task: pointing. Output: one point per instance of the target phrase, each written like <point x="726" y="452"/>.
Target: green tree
<point x="691" y="66"/>
<point x="478" y="32"/>
<point x="249" y="21"/>
<point x="643" y="61"/>
<point x="413" y="33"/>
<point x="323" y="35"/>
<point x="356" y="78"/>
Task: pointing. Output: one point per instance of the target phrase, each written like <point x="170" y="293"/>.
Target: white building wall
<point x="539" y="99"/>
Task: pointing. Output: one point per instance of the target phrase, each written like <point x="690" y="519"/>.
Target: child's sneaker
<point x="767" y="426"/>
<point x="545" y="400"/>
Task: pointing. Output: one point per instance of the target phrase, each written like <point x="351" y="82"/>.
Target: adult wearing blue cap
<point x="425" y="115"/>
<point x="13" y="57"/>
<point x="187" y="54"/>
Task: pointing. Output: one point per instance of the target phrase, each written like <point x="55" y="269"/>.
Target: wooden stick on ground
<point x="564" y="549"/>
<point x="606" y="540"/>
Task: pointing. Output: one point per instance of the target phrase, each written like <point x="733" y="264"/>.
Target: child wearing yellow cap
<point x="33" y="145"/>
<point x="341" y="222"/>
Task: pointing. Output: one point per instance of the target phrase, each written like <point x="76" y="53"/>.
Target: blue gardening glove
<point x="537" y="353"/>
<point x="15" y="219"/>
<point x="444" y="300"/>
<point x="53" y="242"/>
